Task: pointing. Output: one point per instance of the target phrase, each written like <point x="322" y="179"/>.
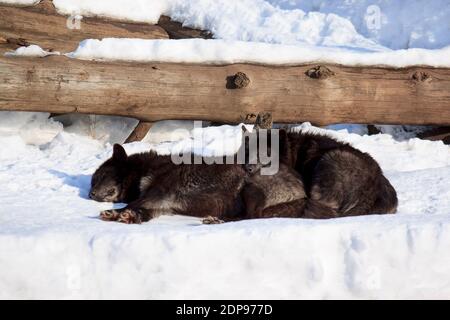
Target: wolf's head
<point x="112" y="181"/>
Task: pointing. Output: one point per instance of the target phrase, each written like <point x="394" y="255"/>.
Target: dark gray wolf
<point x="339" y="179"/>
<point x="152" y="184"/>
<point x="318" y="177"/>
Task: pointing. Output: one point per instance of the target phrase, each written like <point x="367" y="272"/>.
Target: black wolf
<point x="318" y="177"/>
<point x="339" y="179"/>
<point x="152" y="184"/>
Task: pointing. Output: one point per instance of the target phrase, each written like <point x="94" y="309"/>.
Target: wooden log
<point x="157" y="91"/>
<point x="371" y="130"/>
<point x="139" y="132"/>
<point x="42" y="25"/>
<point x="435" y="134"/>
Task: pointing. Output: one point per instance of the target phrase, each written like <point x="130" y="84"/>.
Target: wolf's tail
<point x="314" y="209"/>
<point x="386" y="201"/>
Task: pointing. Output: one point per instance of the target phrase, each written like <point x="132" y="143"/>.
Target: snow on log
<point x="43" y="26"/>
<point x="157" y="91"/>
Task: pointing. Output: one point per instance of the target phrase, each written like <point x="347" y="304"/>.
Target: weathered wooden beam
<point x="156" y="91"/>
<point x="42" y="25"/>
<point x="139" y="132"/>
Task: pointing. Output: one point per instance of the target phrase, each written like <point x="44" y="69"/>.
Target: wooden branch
<point x="371" y="130"/>
<point x="139" y="132"/>
<point x="42" y="25"/>
<point x="152" y="91"/>
<point x="440" y="133"/>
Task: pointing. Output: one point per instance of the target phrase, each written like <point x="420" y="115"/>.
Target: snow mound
<point x="31" y="51"/>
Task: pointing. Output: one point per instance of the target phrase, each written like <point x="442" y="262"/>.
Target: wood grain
<point x="156" y="91"/>
<point x="139" y="132"/>
<point x="41" y="25"/>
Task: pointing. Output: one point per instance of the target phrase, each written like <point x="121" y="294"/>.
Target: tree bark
<point x="158" y="91"/>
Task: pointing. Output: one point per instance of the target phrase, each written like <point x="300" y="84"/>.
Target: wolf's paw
<point x="109" y="215"/>
<point x="129" y="216"/>
<point x="212" y="220"/>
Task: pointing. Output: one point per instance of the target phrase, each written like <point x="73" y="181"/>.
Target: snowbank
<point x="398" y="24"/>
<point x="54" y="229"/>
<point x="224" y="52"/>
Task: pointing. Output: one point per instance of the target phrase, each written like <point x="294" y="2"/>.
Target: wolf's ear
<point x="119" y="153"/>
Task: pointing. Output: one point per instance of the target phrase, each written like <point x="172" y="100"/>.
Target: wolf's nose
<point x="92" y="195"/>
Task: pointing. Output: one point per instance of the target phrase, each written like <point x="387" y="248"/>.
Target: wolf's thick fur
<point x="319" y="177"/>
<point x="152" y="184"/>
<point x="278" y="195"/>
<point x="339" y="180"/>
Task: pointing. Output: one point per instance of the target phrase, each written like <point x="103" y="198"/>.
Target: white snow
<point x="281" y="32"/>
<point x="53" y="246"/>
<point x="20" y="2"/>
<point x="224" y="52"/>
<point x="107" y="129"/>
<point x="399" y="24"/>
<point x="33" y="127"/>
<point x="402" y="23"/>
<point x="31" y="51"/>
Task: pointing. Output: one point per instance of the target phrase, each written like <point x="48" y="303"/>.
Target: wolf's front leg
<point x="109" y="215"/>
<point x="128" y="215"/>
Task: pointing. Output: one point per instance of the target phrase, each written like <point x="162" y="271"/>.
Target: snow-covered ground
<point x="52" y="245"/>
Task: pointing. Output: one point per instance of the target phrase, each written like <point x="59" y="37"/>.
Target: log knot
<point x="420" y="76"/>
<point x="264" y="120"/>
<point x="21" y="42"/>
<point x="319" y="72"/>
<point x="248" y="118"/>
<point x="239" y="81"/>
